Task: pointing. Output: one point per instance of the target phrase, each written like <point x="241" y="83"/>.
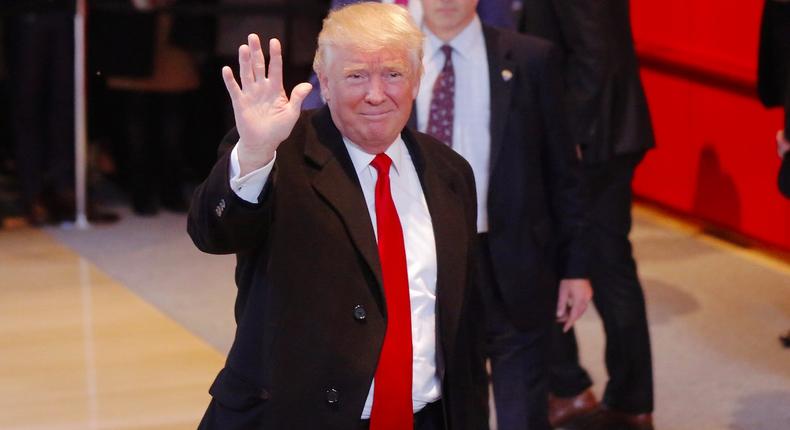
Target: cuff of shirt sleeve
<point x="249" y="186"/>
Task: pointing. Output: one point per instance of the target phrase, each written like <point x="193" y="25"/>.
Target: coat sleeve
<point x="784" y="176"/>
<point x="588" y="57"/>
<point x="221" y="222"/>
<point x="563" y="171"/>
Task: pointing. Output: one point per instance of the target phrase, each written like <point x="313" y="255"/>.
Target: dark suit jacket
<point x="784" y="176"/>
<point x="535" y="194"/>
<point x="773" y="64"/>
<point x="773" y="71"/>
<point x="307" y="258"/>
<point x="606" y="101"/>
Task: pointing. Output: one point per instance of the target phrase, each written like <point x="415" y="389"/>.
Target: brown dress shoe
<point x="566" y="410"/>
<point x="636" y="421"/>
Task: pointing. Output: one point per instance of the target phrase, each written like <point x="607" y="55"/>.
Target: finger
<point x="575" y="313"/>
<point x="245" y="69"/>
<point x="298" y="94"/>
<point x="256" y="54"/>
<point x="275" y="64"/>
<point x="562" y="304"/>
<point x="568" y="325"/>
<point x="230" y="84"/>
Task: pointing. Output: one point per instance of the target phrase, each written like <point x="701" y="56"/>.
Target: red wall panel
<point x="716" y="156"/>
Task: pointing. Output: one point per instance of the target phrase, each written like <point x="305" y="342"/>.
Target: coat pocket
<point x="234" y="392"/>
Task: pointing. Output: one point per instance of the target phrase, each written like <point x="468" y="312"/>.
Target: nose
<point x="375" y="94"/>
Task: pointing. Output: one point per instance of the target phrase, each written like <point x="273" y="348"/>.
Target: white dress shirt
<point x="472" y="121"/>
<point x="419" y="242"/>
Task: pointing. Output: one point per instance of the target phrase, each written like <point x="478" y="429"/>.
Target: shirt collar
<point x="362" y="159"/>
<point x="463" y="44"/>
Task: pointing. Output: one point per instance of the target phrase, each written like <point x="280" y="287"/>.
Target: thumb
<point x="298" y="95"/>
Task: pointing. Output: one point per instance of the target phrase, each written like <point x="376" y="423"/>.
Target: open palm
<point x="264" y="115"/>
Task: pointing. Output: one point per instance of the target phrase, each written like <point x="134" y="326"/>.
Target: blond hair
<point x="369" y="27"/>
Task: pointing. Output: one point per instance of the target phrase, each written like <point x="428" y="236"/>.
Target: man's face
<point x="448" y="17"/>
<point x="370" y="95"/>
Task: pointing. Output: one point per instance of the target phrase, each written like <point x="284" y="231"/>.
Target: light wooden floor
<point x="79" y="351"/>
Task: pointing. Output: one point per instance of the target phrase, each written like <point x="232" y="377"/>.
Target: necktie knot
<point x="448" y="53"/>
<point x="382" y="163"/>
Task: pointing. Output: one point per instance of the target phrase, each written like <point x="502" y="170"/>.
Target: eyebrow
<point x="353" y="68"/>
<point x="399" y="66"/>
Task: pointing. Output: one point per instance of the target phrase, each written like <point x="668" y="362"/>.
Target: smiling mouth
<point x="375" y="115"/>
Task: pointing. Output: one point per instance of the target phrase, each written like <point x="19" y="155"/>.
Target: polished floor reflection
<point x="79" y="351"/>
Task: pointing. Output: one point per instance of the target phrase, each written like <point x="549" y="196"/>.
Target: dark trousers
<point x="618" y="297"/>
<point x="519" y="359"/>
<point x="430" y="417"/>
<point x="40" y="49"/>
<point x="153" y="130"/>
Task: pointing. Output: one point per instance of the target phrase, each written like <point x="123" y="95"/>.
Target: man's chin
<point x="378" y="140"/>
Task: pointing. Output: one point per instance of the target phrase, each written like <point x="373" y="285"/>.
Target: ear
<point x="324" y="82"/>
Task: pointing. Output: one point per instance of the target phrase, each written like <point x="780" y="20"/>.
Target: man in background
<point x="495" y="97"/>
<point x="773" y="84"/>
<point x="610" y="122"/>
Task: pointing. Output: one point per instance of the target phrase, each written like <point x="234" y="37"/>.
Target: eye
<point x="394" y="74"/>
<point x="354" y="76"/>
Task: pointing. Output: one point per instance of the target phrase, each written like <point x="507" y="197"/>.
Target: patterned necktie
<point x="392" y="392"/>
<point x="440" y="119"/>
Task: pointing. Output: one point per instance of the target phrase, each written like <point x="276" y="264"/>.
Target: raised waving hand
<point x="264" y="115"/>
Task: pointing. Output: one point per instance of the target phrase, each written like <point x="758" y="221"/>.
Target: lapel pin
<point x="507" y="75"/>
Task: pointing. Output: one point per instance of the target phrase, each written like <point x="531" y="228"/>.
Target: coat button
<point x="264" y="394"/>
<point x="332" y="396"/>
<point x="360" y="313"/>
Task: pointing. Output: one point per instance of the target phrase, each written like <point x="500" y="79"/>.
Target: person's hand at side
<point x="264" y="115"/>
<point x="574" y="297"/>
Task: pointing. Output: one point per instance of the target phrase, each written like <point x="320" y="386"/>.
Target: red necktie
<point x="402" y="2"/>
<point x="392" y="396"/>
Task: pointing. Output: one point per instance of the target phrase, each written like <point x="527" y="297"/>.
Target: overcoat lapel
<point x="337" y="181"/>
<point x="501" y="74"/>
